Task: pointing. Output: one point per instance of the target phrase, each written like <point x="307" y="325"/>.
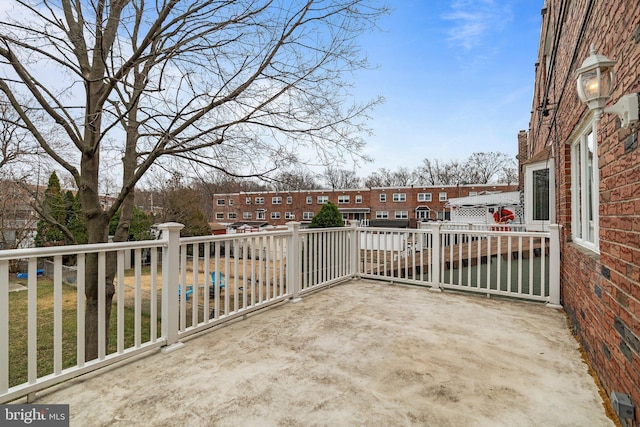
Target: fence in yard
<point x="176" y="286"/>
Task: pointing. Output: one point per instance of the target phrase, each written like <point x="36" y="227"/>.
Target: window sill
<point x="588" y="252"/>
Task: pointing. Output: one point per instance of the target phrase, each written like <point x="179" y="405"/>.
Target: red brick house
<point x="580" y="168"/>
<point x="403" y="204"/>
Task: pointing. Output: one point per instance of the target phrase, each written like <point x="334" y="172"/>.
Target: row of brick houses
<point x="581" y="168"/>
<point x="400" y="205"/>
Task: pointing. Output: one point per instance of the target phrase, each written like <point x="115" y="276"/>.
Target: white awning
<point x="511" y="198"/>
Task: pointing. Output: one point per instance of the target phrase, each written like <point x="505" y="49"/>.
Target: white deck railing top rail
<point x="166" y="289"/>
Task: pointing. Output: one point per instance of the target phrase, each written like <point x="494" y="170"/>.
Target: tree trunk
<point x="97" y="223"/>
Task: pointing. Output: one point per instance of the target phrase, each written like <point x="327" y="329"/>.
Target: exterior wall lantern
<point x="595" y="79"/>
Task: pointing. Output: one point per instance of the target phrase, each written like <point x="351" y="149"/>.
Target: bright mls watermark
<point x="34" y="415"/>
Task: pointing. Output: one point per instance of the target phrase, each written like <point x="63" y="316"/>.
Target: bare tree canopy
<point x="336" y="178"/>
<point x="228" y="84"/>
<point x="478" y="168"/>
<point x="16" y="142"/>
<point x="295" y="180"/>
<point x="401" y="177"/>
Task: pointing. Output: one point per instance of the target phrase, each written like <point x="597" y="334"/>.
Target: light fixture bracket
<point x="627" y="110"/>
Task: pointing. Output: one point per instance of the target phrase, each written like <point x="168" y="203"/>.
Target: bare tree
<point x="482" y="168"/>
<point x="509" y="173"/>
<point x="432" y="172"/>
<point x="479" y="168"/>
<point x="225" y="84"/>
<point x="295" y="180"/>
<point x="16" y="142"/>
<point x="337" y="178"/>
<point x="402" y="177"/>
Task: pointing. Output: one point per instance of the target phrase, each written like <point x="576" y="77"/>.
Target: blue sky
<point x="457" y="77"/>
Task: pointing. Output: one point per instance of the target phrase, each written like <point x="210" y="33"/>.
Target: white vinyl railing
<point x="500" y="262"/>
<point x="167" y="289"/>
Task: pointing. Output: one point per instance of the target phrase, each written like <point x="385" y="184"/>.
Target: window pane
<point x="541" y="195"/>
<point x="589" y="188"/>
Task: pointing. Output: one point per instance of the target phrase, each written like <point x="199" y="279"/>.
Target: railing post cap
<point x="171" y="226"/>
<point x="354" y="222"/>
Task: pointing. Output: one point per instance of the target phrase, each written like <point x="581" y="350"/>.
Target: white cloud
<point x="473" y="20"/>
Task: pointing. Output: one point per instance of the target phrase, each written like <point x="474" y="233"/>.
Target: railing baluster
<point x="227" y="270"/>
<point x="499" y="263"/>
<point x="4" y="326"/>
<point x="195" y="284"/>
<point x="102" y="289"/>
<point x="120" y="301"/>
<point x="245" y="261"/>
<point x="469" y="263"/>
<point x="520" y="264"/>
<point x="80" y="297"/>
<point x="509" y="259"/>
<point x="531" y="266"/>
<point x="543" y="267"/>
<point x="57" y="314"/>
<point x="183" y="287"/>
<point x="138" y="298"/>
<point x="153" y="309"/>
<point x="32" y="327"/>
<point x="236" y="275"/>
<point x="216" y="285"/>
<point x="488" y="263"/>
<point x="207" y="282"/>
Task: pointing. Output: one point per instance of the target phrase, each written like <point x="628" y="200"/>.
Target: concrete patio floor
<point x="360" y="353"/>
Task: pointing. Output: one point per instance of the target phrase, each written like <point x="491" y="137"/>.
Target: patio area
<point x="360" y="353"/>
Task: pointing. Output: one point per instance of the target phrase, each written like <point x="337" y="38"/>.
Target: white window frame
<point x="322" y="200"/>
<point x="289" y="200"/>
<point x="275" y="215"/>
<point x="401" y="214"/>
<point x="424" y="197"/>
<point x="344" y="199"/>
<point x="220" y="202"/>
<point x="442" y="196"/>
<point x="219" y="215"/>
<point x="231" y="215"/>
<point x="260" y="215"/>
<point x="359" y="198"/>
<point x="259" y="200"/>
<point x="529" y="195"/>
<point x="382" y="214"/>
<point x="276" y="200"/>
<point x="584" y="217"/>
<point x="473" y="193"/>
<point x="399" y="197"/>
<point x="289" y="215"/>
<point x="309" y="200"/>
<point x="246" y="215"/>
<point x="383" y="197"/>
<point x="247" y="200"/>
<point x="307" y="215"/>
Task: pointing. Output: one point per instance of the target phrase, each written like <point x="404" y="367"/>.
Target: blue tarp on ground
<point x="39" y="273"/>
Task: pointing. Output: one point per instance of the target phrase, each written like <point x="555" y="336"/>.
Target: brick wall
<point x="235" y="203"/>
<point x="600" y="291"/>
